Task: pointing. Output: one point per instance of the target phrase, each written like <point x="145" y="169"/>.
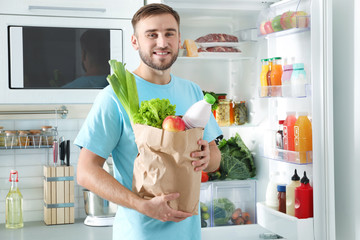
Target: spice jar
<point x="24" y="138"/>
<point x="240" y="113"/>
<point x="35" y="137"/>
<point x="223" y="113"/>
<point x="47" y="135"/>
<point x="11" y="139"/>
<point x="2" y="137"/>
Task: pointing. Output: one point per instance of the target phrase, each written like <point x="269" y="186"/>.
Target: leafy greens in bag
<point x="152" y="112"/>
<point x="237" y="161"/>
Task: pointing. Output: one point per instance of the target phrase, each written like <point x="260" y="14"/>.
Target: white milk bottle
<point x="290" y="194"/>
<point x="271" y="192"/>
<point x="199" y="113"/>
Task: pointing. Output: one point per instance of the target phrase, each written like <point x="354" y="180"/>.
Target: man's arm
<point x="91" y="175"/>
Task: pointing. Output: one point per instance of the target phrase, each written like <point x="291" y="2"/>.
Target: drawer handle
<point x="32" y="7"/>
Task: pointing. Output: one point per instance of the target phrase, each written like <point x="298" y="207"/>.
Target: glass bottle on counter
<point x="47" y="135"/>
<point x="2" y="137"/>
<point x="14" y="204"/>
<point x="11" y="139"/>
<point x="223" y="113"/>
<point x="24" y="139"/>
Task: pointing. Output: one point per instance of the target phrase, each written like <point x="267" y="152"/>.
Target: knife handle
<point x="67" y="154"/>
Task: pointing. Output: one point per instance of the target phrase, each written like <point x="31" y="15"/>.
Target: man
<point x="95" y="54"/>
<point x="108" y="130"/>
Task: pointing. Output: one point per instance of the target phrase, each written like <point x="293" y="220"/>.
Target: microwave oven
<point x="60" y="59"/>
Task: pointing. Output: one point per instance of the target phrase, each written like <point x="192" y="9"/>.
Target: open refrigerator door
<point x="231" y="38"/>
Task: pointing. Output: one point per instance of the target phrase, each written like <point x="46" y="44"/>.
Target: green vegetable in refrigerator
<point x="237" y="161"/>
<point x="124" y="85"/>
<point x="223" y="209"/>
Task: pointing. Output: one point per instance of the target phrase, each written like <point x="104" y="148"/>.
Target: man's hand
<point x="158" y="208"/>
<point x="203" y="155"/>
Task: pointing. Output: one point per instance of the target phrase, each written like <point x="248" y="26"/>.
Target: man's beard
<point x="160" y="66"/>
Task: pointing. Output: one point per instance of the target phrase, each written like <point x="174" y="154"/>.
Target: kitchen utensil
<point x="100" y="212"/>
<point x="67" y="153"/>
<point x="62" y="150"/>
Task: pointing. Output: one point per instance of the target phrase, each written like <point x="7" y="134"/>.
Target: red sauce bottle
<point x="282" y="197"/>
<point x="304" y="199"/>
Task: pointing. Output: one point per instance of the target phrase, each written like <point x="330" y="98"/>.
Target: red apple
<point x="173" y="124"/>
<point x="285" y="20"/>
<point x="262" y="28"/>
<point x="299" y="19"/>
<point x="268" y="27"/>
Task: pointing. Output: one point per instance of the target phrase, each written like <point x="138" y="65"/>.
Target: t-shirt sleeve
<point x="212" y="129"/>
<point x="102" y="128"/>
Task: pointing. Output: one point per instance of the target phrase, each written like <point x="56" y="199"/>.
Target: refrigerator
<point x="237" y="74"/>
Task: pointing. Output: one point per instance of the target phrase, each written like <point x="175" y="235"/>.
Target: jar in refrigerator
<point x="2" y="137"/>
<point x="24" y="139"/>
<point x="240" y="113"/>
<point x="223" y="113"/>
<point x="231" y="111"/>
<point x="11" y="139"/>
<point x="35" y="137"/>
<point x="47" y="135"/>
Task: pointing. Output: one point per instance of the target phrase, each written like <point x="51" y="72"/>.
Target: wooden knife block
<point x="58" y="195"/>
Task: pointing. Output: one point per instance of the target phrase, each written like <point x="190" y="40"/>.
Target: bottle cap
<point x="298" y="66"/>
<point x="13" y="172"/>
<point x="281" y="188"/>
<point x="302" y="113"/>
<point x="281" y="122"/>
<point x="265" y="60"/>
<point x="276" y="58"/>
<point x="209" y="99"/>
<point x="288" y="67"/>
<point x="304" y="179"/>
<point x="290" y="113"/>
<point x="295" y="177"/>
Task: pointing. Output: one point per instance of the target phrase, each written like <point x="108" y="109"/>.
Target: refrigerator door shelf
<point x="289" y="156"/>
<point x="285" y="225"/>
<point x="286" y="91"/>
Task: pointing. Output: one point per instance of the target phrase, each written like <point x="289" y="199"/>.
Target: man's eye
<point x="152" y="35"/>
<point x="170" y="34"/>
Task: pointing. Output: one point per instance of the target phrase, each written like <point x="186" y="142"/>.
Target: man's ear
<point x="134" y="42"/>
<point x="179" y="40"/>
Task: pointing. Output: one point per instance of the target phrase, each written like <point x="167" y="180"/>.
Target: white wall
<point x="30" y="162"/>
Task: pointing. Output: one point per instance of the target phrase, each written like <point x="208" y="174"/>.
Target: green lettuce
<point x="237" y="162"/>
<point x="153" y="112"/>
<point x="223" y="209"/>
<point x="124" y="85"/>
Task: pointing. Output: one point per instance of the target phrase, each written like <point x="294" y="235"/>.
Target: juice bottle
<point x="14" y="204"/>
<point x="290" y="194"/>
<point x="303" y="137"/>
<point x="263" y="77"/>
<point x="304" y="199"/>
<point x="288" y="138"/>
<point x="199" y="113"/>
<point x="275" y="76"/>
<point x="268" y="76"/>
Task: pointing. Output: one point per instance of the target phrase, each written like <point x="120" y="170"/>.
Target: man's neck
<point x="160" y="77"/>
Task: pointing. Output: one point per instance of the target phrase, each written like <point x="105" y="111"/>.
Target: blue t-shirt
<point x="88" y="82"/>
<point x="107" y="129"/>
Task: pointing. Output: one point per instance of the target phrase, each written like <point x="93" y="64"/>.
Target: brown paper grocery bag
<point x="163" y="165"/>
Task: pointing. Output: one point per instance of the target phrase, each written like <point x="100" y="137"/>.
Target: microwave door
<point x="16" y="57"/>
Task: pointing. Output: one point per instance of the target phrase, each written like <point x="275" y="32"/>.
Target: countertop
<point x="78" y="230"/>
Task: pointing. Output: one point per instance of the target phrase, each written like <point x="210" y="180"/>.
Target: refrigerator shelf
<point x="286" y="32"/>
<point x="285" y="91"/>
<point x="293" y="157"/>
<point x="284" y="225"/>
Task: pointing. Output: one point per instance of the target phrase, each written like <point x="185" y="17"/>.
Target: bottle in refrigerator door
<point x="286" y="81"/>
<point x="304" y="199"/>
<point x="280" y="135"/>
<point x="303" y="137"/>
<point x="271" y="199"/>
<point x="268" y="76"/>
<point x="281" y="188"/>
<point x="275" y="76"/>
<point x="14" y="204"/>
<point x="263" y="77"/>
<point x="288" y="132"/>
<point x="298" y="80"/>
<point x="199" y="113"/>
<point x="290" y="194"/>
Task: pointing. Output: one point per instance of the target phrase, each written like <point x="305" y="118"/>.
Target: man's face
<point x="158" y="40"/>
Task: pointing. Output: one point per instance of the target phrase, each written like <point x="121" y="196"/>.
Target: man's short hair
<point x="153" y="10"/>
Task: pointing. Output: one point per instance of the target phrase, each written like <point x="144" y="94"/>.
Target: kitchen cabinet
<point x="79" y="8"/>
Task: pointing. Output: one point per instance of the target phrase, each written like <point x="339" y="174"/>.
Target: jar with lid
<point x="2" y="137"/>
<point x="223" y="113"/>
<point x="231" y="111"/>
<point x="282" y="197"/>
<point x="240" y="113"/>
<point x="24" y="138"/>
<point x="11" y="139"/>
<point x="47" y="135"/>
<point x="35" y="137"/>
